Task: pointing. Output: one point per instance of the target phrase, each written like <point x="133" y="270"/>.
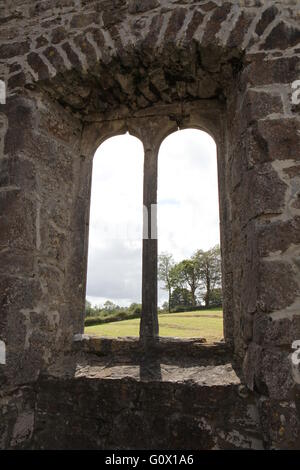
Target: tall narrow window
<point x="188" y="237"/>
<point x="115" y="238"/>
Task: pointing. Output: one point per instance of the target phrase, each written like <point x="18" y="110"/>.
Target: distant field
<point x="201" y="323"/>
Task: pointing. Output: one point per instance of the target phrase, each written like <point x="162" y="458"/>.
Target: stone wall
<point x="109" y="395"/>
<point x="124" y="411"/>
<point x="78" y="72"/>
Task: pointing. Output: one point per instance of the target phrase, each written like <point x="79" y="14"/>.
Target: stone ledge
<point x="172" y="350"/>
<point x="108" y="406"/>
<point x="186" y="361"/>
<point x="210" y="376"/>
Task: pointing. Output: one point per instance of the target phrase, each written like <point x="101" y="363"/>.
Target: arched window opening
<point x="115" y="239"/>
<point x="189" y="261"/>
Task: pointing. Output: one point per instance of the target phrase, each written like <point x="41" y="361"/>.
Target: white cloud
<point x="187" y="173"/>
<point x="115" y="270"/>
<point x="188" y="216"/>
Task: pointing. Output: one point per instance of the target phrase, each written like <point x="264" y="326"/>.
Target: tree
<point x="209" y="267"/>
<point x="88" y="308"/>
<point x="165" y="266"/>
<point x="181" y="297"/>
<point x="186" y="274"/>
<point x="165" y="307"/>
<point x="109" y="306"/>
<point x="135" y="308"/>
<point x="216" y="298"/>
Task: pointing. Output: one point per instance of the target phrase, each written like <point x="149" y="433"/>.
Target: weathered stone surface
<point x="84" y="45"/>
<point x="41" y="41"/>
<point x="17" y="416"/>
<point x="268" y="371"/>
<point x="278" y="332"/>
<point x="160" y="405"/>
<point x="287" y="233"/>
<point x="13" y="49"/>
<point x="38" y="65"/>
<point x="262" y="72"/>
<point x="58" y="35"/>
<point x="54" y="58"/>
<point x="82" y="20"/>
<point x="238" y="33"/>
<point x="279" y="139"/>
<point x="258" y="105"/>
<point x="17" y="174"/>
<point x="196" y="20"/>
<point x="83" y="72"/>
<point x="17" y="220"/>
<point x="72" y="55"/>
<point x="280" y="423"/>
<point x="135" y="6"/>
<point x="175" y="23"/>
<point x="171" y="350"/>
<point x="266" y="18"/>
<point x="261" y="191"/>
<point x="214" y="24"/>
<point x="282" y="36"/>
<point x="278" y="287"/>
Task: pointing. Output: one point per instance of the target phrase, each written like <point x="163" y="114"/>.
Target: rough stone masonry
<point x="77" y="72"/>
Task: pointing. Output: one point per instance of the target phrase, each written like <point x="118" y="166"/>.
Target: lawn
<point x="201" y="323"/>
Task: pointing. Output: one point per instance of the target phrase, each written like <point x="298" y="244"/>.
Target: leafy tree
<point x="88" y="308"/>
<point x="165" y="266"/>
<point x="216" y="298"/>
<point x="181" y="297"/>
<point x="209" y="268"/>
<point x="109" y="306"/>
<point x="186" y="275"/>
<point x="135" y="308"/>
<point x="165" y="307"/>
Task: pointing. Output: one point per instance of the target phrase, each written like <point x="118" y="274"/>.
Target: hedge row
<point x="118" y="316"/>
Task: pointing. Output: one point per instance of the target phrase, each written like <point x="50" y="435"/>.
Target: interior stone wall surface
<point x="78" y="72"/>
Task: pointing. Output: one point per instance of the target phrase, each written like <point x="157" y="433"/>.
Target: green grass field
<point x="201" y="323"/>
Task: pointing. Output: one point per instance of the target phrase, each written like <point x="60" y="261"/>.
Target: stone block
<point x="86" y="47"/>
<point x="83" y="20"/>
<point x="38" y="65"/>
<point x="15" y="49"/>
<point x="135" y="6"/>
<point x="277" y="285"/>
<point x="214" y="24"/>
<point x="239" y="30"/>
<point x="260" y="192"/>
<point x="17" y="221"/>
<point x="266" y="18"/>
<point x="55" y="58"/>
<point x="18" y="173"/>
<point x="275" y="332"/>
<point x="261" y="71"/>
<point x="280" y="423"/>
<point x="258" y="105"/>
<point x="276" y="139"/>
<point x="277" y="236"/>
<point x="268" y="372"/>
<point x="282" y="36"/>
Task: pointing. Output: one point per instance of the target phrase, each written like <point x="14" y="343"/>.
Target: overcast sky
<point x="188" y="211"/>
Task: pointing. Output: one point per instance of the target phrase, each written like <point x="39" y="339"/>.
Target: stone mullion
<point x="149" y="320"/>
